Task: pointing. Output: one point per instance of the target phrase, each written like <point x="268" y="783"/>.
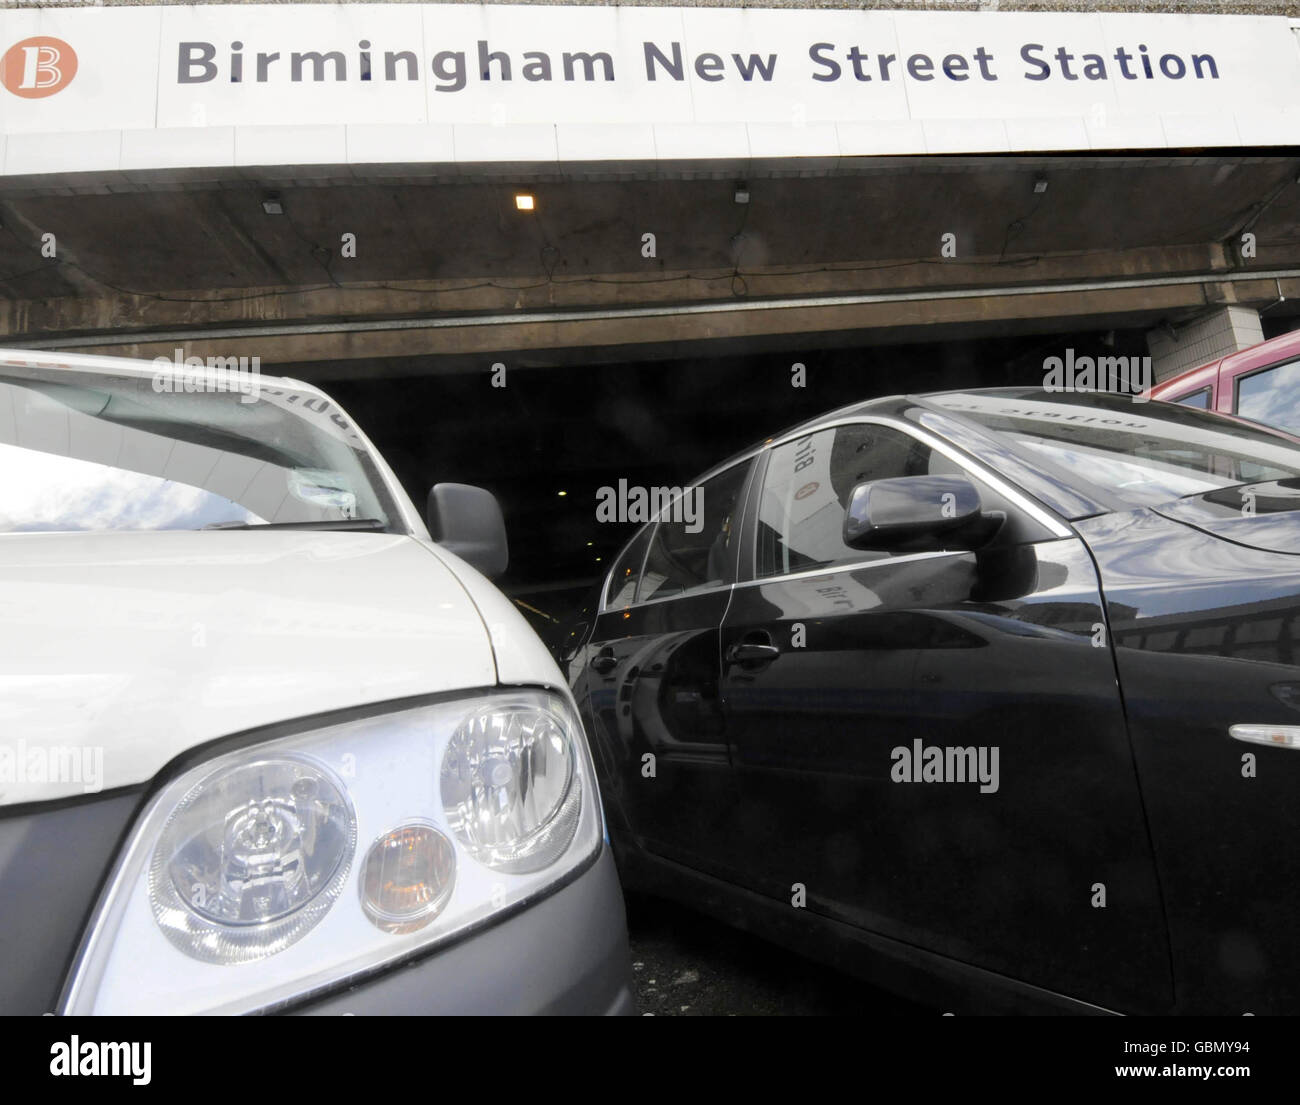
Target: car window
<point x="95" y="452"/>
<point x="621" y="590"/>
<point x="693" y="545"/>
<point x="1271" y="396"/>
<point x="809" y="482"/>
<point x="1199" y="399"/>
<point x="1146" y="454"/>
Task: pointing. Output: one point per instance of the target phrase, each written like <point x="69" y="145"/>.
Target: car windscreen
<point x="95" y="452"/>
<point x="1144" y="454"/>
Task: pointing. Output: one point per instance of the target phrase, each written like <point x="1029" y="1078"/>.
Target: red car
<point x="1261" y="383"/>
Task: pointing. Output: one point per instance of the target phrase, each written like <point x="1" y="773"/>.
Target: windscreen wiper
<point x="336" y="523"/>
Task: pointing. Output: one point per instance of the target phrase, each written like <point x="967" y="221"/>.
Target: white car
<point x="265" y="743"/>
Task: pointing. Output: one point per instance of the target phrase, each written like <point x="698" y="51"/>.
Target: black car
<point x="991" y="696"/>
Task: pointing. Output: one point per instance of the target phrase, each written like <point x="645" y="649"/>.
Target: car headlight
<point x="297" y="864"/>
<point x="251" y="859"/>
<point x="508" y="788"/>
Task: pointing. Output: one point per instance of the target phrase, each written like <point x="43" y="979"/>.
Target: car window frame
<point x="604" y="603"/>
<point x="1207" y="391"/>
<point x="747" y="574"/>
<point x="746" y="488"/>
<point x="1241" y="377"/>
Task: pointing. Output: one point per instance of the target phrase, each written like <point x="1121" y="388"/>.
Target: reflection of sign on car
<point x="317" y="410"/>
<point x="818" y="594"/>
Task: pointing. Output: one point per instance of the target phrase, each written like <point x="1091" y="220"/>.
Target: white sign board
<point x="214" y="86"/>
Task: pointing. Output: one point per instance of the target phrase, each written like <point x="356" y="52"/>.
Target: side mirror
<point x="915" y="512"/>
<point x="467" y="521"/>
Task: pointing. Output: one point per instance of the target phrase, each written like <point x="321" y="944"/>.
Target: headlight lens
<point x="240" y="888"/>
<point x="251" y="859"/>
<point x="408" y="877"/>
<point x="508" y="788"/>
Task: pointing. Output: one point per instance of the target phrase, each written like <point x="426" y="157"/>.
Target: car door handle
<point x="604" y="662"/>
<point x="750" y="652"/>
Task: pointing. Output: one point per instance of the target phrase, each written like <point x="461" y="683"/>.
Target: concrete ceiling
<point x="141" y="258"/>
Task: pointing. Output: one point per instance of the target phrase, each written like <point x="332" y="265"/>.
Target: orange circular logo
<point x="38" y="67"/>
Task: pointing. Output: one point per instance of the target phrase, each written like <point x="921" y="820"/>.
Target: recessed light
<point x="561" y="494"/>
<point x="271" y="204"/>
<point x="742" y="193"/>
<point x="524" y="201"/>
<point x="1040" y="186"/>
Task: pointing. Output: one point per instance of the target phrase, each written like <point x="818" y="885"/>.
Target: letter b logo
<point x="38" y="67"/>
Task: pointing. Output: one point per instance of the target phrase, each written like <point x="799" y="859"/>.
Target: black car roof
<point x="885" y="404"/>
<point x="896" y="404"/>
<point x="1062" y="494"/>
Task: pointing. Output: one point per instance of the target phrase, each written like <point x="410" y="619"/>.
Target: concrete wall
<point x="1215" y="335"/>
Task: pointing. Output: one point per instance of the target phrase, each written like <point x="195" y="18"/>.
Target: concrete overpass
<point x="449" y="268"/>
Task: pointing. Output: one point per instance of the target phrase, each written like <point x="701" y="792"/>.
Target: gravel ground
<point x="686" y="965"/>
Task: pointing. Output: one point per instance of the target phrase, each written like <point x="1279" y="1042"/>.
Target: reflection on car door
<point x="1039" y="867"/>
<point x="652" y="678"/>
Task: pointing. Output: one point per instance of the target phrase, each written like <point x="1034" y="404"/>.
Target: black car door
<point x="652" y="669"/>
<point x="932" y="744"/>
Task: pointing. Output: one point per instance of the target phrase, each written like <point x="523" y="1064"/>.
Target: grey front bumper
<point x="567" y="954"/>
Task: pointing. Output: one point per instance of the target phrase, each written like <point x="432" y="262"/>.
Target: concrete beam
<point x="110" y="311"/>
<point x="1073" y="308"/>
